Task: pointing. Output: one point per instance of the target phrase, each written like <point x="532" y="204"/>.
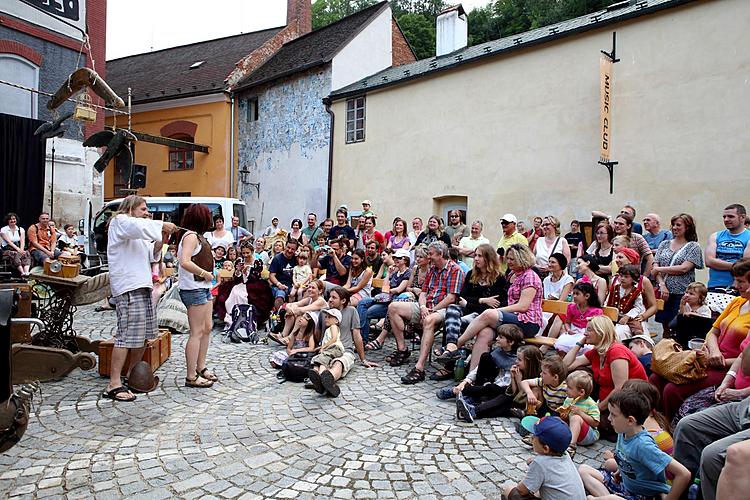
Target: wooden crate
<point x="21" y="334"/>
<point x="156" y="354"/>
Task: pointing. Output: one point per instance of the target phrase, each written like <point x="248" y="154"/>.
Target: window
<point x="252" y="109"/>
<point x="355" y="120"/>
<point x="179" y="158"/>
<point x="15" y="101"/>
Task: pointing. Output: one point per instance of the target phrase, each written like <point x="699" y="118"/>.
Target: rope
<point x="70" y="99"/>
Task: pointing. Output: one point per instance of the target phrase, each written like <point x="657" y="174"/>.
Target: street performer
<point x="135" y="242"/>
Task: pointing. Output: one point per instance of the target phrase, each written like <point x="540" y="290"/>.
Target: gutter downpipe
<point x="231" y="145"/>
<point x="327" y="101"/>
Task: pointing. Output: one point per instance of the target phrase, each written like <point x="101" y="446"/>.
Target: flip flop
<point x="275" y="338"/>
<point x="442" y="374"/>
<point x="118" y="390"/>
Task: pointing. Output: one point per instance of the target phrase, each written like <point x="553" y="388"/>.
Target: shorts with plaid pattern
<point x="136" y="320"/>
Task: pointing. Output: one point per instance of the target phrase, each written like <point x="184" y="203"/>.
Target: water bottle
<point x="459" y="372"/>
<point x="694" y="490"/>
<point x="569" y="298"/>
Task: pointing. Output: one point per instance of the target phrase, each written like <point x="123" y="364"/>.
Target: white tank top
<point x="186" y="280"/>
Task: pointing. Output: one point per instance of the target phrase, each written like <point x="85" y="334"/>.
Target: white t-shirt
<point x="130" y="251"/>
<point x="553" y="289"/>
<point x="14" y="236"/>
<point x="543" y="251"/>
<point x="186" y="279"/>
<point x="469" y="242"/>
<point x="226" y="241"/>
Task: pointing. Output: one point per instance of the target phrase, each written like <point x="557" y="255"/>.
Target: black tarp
<point x="22" y="165"/>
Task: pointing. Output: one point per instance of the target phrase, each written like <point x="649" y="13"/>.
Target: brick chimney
<point x="299" y="16"/>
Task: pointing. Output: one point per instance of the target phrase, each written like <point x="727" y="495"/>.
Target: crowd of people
<point x="329" y="287"/>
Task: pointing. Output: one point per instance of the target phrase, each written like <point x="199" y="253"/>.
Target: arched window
<point x="14" y="101"/>
<point x="180" y="158"/>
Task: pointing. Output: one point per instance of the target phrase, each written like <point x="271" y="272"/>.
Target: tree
<point x="419" y="30"/>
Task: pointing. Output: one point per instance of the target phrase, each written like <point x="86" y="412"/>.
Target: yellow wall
<point x="209" y="177"/>
<point x="519" y="133"/>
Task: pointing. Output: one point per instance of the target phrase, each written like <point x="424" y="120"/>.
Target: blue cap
<point x="551" y="431"/>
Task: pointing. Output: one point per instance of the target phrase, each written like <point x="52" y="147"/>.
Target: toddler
<point x="331" y="346"/>
<point x="693" y="302"/>
<point x="580" y="411"/>
<point x="301" y="276"/>
<point x="554" y="390"/>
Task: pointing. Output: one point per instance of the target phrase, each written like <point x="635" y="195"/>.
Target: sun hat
<point x="401" y="253"/>
<point x="509" y="218"/>
<point x="644" y="337"/>
<point x="334" y="313"/>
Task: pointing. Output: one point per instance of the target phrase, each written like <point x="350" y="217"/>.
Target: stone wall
<point x="285" y="152"/>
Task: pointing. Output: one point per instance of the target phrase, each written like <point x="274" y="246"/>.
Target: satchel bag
<point x="204" y="258"/>
<point x="677" y="365"/>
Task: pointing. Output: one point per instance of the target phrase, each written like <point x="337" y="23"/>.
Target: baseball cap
<point x="334" y="313"/>
<point x="645" y="337"/>
<point x="509" y="218"/>
<point x="366" y="202"/>
<point x="551" y="431"/>
<point x="401" y="253"/>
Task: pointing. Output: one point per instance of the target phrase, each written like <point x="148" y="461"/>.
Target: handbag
<point x="677" y="365"/>
<point x="204" y="258"/>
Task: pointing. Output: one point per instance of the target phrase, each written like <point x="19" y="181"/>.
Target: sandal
<point x="413" y="377"/>
<point x="398" y="358"/>
<point x="373" y="345"/>
<point x="572" y="450"/>
<point x="448" y="356"/>
<point x="442" y="374"/>
<point x="275" y="337"/>
<point x="198" y="382"/>
<point x="204" y="373"/>
<point x="112" y="394"/>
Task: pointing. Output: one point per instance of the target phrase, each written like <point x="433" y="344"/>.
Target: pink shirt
<point x="742" y="381"/>
<point x="528" y="279"/>
<point x="580" y="319"/>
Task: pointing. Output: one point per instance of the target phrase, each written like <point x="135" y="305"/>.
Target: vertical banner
<point x="605" y="107"/>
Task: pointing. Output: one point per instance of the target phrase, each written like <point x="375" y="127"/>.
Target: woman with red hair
<point x="195" y="291"/>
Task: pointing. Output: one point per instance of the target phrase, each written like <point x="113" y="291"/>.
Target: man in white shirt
<point x="469" y="244"/>
<point x="134" y="242"/>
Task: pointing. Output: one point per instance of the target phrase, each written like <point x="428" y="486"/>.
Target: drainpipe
<point x="327" y="101"/>
<point x="231" y="145"/>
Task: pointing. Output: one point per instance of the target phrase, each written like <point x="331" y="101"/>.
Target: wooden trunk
<point x="156" y="354"/>
<point x="21" y="334"/>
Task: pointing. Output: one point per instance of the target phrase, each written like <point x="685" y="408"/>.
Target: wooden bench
<point x="558" y="308"/>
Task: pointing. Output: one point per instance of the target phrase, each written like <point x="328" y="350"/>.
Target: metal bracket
<point x="610" y="167"/>
<point x="612" y="55"/>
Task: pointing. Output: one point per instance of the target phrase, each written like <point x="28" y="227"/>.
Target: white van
<point x="166" y="208"/>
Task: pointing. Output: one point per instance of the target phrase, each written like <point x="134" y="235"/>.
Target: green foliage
<point x="419" y="30"/>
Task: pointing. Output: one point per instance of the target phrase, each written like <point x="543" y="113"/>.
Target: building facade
<point x="513" y="125"/>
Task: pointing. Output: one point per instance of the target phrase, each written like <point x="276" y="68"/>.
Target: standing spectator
<point x="627" y="210"/>
<point x="296" y="232"/>
<point x="371" y="234"/>
<point x="135" y="242"/>
<point x="435" y="232"/>
<point x="195" y="293"/>
<point x="312" y="230"/>
<point x="468" y="244"/>
<point x="510" y="237"/>
<point x="13" y="244"/>
<point x="280" y="272"/>
<point x="43" y="240"/>
<point x="623" y="225"/>
<point x="239" y="233"/>
<point x="576" y="240"/>
<point x="654" y="234"/>
<point x="456" y="228"/>
<point x="327" y="226"/>
<point x="726" y="247"/>
<point x="273" y="229"/>
<point x="335" y="261"/>
<point x="551" y="243"/>
<point x="219" y="236"/>
<point x="343" y="229"/>
<point x="367" y="208"/>
<point x="676" y="262"/>
<point x="601" y="249"/>
<point x="416" y="226"/>
<point x="535" y="234"/>
<point x="359" y="231"/>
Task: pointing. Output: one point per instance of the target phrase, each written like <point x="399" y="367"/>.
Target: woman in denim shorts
<point x="195" y="292"/>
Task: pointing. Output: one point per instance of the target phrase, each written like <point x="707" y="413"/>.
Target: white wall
<point x="369" y="52"/>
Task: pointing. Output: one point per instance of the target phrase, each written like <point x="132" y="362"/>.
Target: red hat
<point x="631" y="254"/>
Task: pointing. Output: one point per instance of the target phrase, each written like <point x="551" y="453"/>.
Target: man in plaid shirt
<point x="441" y="288"/>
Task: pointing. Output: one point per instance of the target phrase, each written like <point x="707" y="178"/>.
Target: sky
<point x="137" y="26"/>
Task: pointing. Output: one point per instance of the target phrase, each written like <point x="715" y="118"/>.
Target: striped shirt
<point x="440" y="282"/>
<point x="554" y="396"/>
<point x="589" y="407"/>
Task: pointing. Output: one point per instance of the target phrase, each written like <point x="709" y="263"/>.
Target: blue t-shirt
<point x="346" y="231"/>
<point x="637" y="228"/>
<point x="654" y="240"/>
<point x="646" y="362"/>
<point x="282" y="268"/>
<point x="642" y="464"/>
<point x="729" y="248"/>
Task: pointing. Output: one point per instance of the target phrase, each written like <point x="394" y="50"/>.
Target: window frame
<point x="252" y="113"/>
<point x="33" y="97"/>
<point x="355" y="125"/>
<point x="180" y="156"/>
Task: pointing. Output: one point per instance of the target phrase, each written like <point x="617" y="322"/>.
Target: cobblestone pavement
<point x="251" y="437"/>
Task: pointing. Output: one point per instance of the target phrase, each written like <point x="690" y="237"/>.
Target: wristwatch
<point x="579" y="344"/>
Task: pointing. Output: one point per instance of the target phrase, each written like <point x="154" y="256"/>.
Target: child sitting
<point x="656" y="424"/>
<point x="492" y="375"/>
<point x="331" y="345"/>
<point x="220" y="254"/>
<point x="302" y="341"/>
<point x="641" y="465"/>
<point x="580" y="411"/>
<point x="625" y="296"/>
<point x="584" y="306"/>
<point x="301" y="276"/>
<point x="553" y="387"/>
<point x="641" y="346"/>
<point x="693" y="301"/>
<point x="551" y="473"/>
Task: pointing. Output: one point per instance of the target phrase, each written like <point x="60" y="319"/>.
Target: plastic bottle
<point x="694" y="490"/>
<point x="460" y="371"/>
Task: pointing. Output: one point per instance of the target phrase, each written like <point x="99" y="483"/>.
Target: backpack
<point x="244" y="327"/>
<point x="296" y="366"/>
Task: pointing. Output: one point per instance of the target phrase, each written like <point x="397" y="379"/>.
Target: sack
<point x="296" y="366"/>
<point x="676" y="365"/>
<point x="244" y="327"/>
<point x="204" y="258"/>
<point x="382" y="298"/>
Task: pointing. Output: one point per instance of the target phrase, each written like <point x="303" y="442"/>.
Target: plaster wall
<point x="367" y="53"/>
<point x="519" y="133"/>
<point x="284" y="155"/>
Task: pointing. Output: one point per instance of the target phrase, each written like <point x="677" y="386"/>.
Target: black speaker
<point x="138" y="179"/>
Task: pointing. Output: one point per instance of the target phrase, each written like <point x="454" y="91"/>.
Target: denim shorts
<point x="529" y="329"/>
<point x="196" y="297"/>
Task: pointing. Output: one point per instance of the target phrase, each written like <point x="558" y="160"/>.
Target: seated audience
<point x="623" y="224"/>
<point x="601" y="249"/>
<point x="558" y="284"/>
<point x="456" y="228"/>
<point x="312" y="230"/>
<point x="399" y="239"/>
<point x="642" y="346"/>
<point x="301" y="275"/>
<point x="509" y="237"/>
<point x="580" y="411"/>
<point x="296" y="232"/>
<point x="42" y="240"/>
<point x="576" y="240"/>
<point x="260" y="253"/>
<point x="342" y="229"/>
<point x="587" y="268"/>
<point x="273" y="229"/>
<point x="656" y="424"/>
<point x="359" y="282"/>
<point x="435" y="232"/>
<point x="299" y="315"/>
<point x="552" y="388"/>
<point x="370" y="308"/>
<point x="280" y="272"/>
<point x="335" y="261"/>
<point x="468" y="244"/>
<point x="585" y="306"/>
<point x="370" y="234"/>
<point x="13" y="244"/>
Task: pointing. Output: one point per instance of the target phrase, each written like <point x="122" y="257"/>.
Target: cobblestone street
<point x="251" y="437"/>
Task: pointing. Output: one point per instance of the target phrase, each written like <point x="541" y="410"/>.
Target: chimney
<point x="452" y="30"/>
<point x="299" y="16"/>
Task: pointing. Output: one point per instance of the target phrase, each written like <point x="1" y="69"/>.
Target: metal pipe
<point x="327" y="101"/>
<point x="231" y="146"/>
